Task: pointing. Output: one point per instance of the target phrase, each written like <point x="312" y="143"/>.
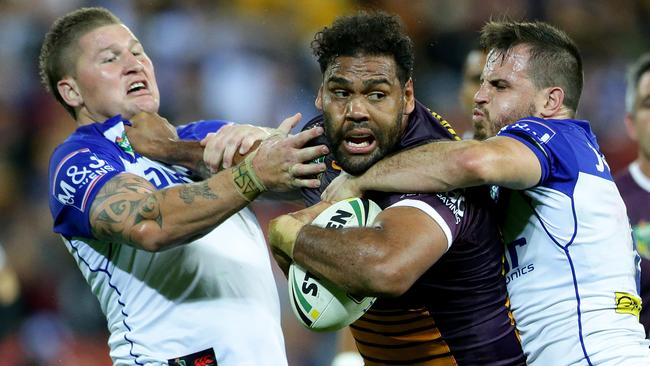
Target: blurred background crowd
<point x="247" y="61"/>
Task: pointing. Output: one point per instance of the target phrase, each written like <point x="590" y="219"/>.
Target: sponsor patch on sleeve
<point x="76" y="175"/>
<point x="538" y="130"/>
<point x="628" y="304"/>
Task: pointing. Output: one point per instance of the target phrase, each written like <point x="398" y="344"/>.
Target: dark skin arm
<point x="383" y="260"/>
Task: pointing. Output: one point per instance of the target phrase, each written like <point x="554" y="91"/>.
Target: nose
<point x="132" y="63"/>
<point x="481" y="96"/>
<point x="356" y="109"/>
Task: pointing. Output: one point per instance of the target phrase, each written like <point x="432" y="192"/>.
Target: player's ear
<point x="630" y="126"/>
<point x="69" y="91"/>
<point x="409" y="97"/>
<point x="319" y="99"/>
<point x="552" y="103"/>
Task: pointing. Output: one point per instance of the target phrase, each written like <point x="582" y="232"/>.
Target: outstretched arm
<point x="154" y="137"/>
<point x="129" y="210"/>
<point x="444" y="166"/>
<point x="382" y="260"/>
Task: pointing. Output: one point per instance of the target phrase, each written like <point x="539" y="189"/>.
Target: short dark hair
<point x="61" y="42"/>
<point x="634" y="73"/>
<point x="366" y="33"/>
<point x="554" y="58"/>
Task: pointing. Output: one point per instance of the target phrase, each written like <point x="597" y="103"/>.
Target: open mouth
<point x="136" y="87"/>
<point x="357" y="143"/>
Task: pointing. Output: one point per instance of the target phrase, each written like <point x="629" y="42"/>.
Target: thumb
<point x="289" y="123"/>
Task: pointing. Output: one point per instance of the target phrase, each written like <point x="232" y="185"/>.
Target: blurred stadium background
<point x="247" y="61"/>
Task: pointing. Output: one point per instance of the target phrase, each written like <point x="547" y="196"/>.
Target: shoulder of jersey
<point x="318" y="304"/>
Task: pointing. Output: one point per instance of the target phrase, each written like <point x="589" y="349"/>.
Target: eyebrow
<point x="366" y="83"/>
<point x="110" y="47"/>
<point x="497" y="81"/>
<point x="339" y="80"/>
<point x="376" y="81"/>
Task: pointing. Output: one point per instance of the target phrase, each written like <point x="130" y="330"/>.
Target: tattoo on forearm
<point x="202" y="189"/>
<point x="202" y="170"/>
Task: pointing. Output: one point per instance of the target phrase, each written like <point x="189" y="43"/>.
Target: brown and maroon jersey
<point x="457" y="312"/>
<point x="635" y="190"/>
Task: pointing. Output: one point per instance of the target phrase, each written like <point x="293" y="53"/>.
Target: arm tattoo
<point x="120" y="205"/>
<point x="202" y="189"/>
<point x="202" y="170"/>
<point x="150" y="210"/>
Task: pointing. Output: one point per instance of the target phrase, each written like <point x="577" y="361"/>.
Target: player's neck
<point x="84" y="118"/>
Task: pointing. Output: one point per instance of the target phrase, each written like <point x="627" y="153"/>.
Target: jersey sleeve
<point x="198" y="130"/>
<point x="446" y="209"/>
<point x="540" y="138"/>
<point x="77" y="173"/>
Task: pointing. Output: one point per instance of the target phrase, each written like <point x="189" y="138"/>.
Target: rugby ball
<point x="318" y="304"/>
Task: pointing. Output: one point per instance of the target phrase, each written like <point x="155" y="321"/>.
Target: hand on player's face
<point x="282" y="163"/>
<point x="114" y="75"/>
<point x="228" y="146"/>
<point x="150" y="134"/>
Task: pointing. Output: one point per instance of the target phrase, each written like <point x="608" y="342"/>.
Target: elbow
<point x="149" y="239"/>
<point x="475" y="166"/>
<point x="382" y="280"/>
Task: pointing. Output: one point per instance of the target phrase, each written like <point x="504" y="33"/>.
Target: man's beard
<point x="357" y="164"/>
<point x="490" y="128"/>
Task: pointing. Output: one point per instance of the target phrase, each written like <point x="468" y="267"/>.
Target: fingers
<point x="207" y="138"/>
<point x="305" y="183"/>
<point x="302" y="170"/>
<point x="212" y="153"/>
<point x="340" y="190"/>
<point x="228" y="154"/>
<point x="307" y="215"/>
<point x="225" y="147"/>
<point x="289" y="123"/>
<point x="303" y="137"/>
<point x="311" y="153"/>
<point x="328" y="194"/>
<point x="138" y="118"/>
<point x="248" y="142"/>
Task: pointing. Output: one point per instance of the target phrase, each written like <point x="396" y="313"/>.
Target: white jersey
<point x="572" y="270"/>
<point x="212" y="300"/>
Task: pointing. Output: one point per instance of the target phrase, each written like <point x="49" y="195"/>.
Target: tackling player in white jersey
<point x="572" y="271"/>
<point x="181" y="269"/>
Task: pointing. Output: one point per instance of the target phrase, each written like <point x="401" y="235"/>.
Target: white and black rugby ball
<point x="317" y="303"/>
